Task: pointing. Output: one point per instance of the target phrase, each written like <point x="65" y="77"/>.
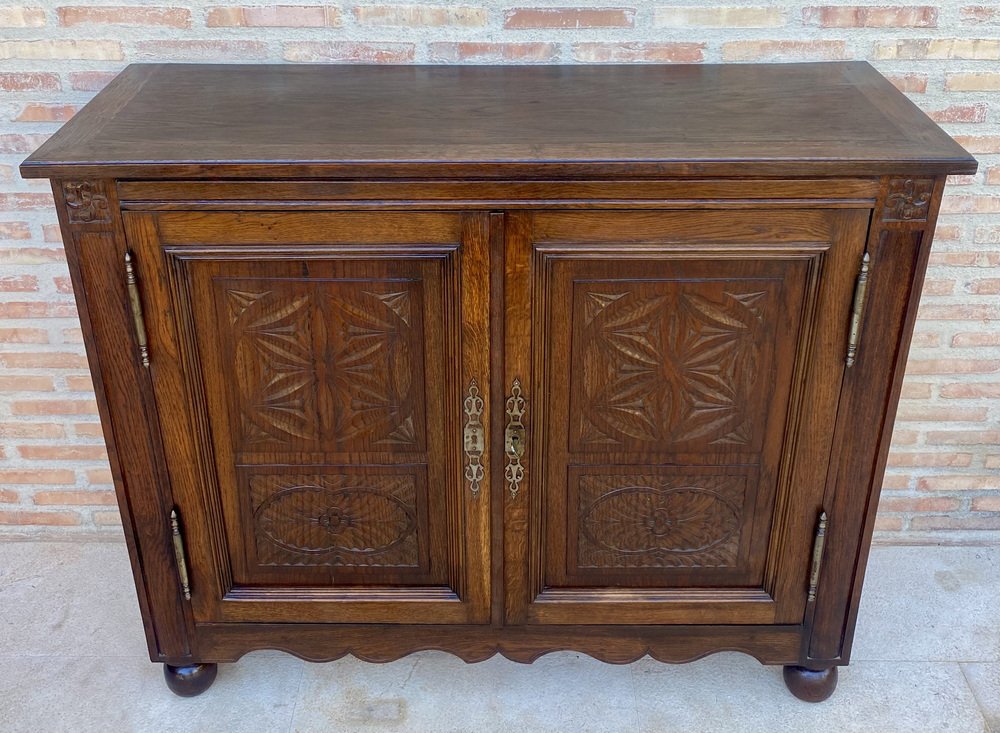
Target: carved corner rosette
<point x="86" y="202"/>
<point x="908" y="199"/>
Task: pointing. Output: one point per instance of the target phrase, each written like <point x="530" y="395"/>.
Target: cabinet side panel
<point x="95" y="250"/>
<point x="898" y="244"/>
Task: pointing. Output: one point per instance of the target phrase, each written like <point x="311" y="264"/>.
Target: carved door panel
<point x="310" y="371"/>
<point x="678" y="376"/>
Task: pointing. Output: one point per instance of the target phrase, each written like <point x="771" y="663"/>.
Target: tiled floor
<point x="927" y="658"/>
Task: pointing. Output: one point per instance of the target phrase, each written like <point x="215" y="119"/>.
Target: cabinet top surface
<point x="196" y="120"/>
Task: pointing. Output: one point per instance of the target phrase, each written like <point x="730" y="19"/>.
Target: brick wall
<point x="944" y="470"/>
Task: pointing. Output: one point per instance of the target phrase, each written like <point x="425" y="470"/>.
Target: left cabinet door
<point x="311" y="372"/>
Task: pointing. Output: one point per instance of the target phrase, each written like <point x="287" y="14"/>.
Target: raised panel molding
<point x="325" y="361"/>
<point x="629" y="521"/>
<point x="335" y="519"/>
<point x="669" y="368"/>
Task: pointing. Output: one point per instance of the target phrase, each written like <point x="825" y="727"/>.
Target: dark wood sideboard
<point x="498" y="359"/>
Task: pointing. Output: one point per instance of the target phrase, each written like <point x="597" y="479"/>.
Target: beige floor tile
<point x="734" y="693"/>
<point x="68" y="598"/>
<point x="930" y="603"/>
<point x="984" y="679"/>
<point x="75" y="694"/>
<point x="436" y="692"/>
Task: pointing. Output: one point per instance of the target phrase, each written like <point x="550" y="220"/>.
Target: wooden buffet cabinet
<point x="510" y="359"/>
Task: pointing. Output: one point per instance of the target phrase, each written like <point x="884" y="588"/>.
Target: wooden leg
<point x="190" y="680"/>
<point x="811" y="685"/>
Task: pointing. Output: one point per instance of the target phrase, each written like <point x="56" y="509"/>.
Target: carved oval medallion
<point x="314" y="520"/>
<point x="638" y="519"/>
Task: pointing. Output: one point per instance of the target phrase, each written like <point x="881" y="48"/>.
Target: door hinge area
<point x="132" y="282"/>
<point x="858" y="309"/>
<point x="817" y="556"/>
<point x="179" y="554"/>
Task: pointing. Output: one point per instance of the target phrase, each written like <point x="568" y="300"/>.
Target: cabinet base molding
<point x="612" y="644"/>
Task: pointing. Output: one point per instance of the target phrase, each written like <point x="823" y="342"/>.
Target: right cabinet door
<point x="677" y="376"/>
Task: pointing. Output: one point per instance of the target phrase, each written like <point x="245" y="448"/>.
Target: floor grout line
<point x="972" y="689"/>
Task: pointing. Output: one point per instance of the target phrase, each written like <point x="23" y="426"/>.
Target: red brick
<point x="930" y="460"/>
<point x="959" y="483"/>
<point x="633" y="52"/>
<point x="915" y="390"/>
<point x="25" y="383"/>
<point x="939" y="48"/>
<point x="970" y="205"/>
<point x="866" y="16"/>
<point x="960" y="113"/>
<point x="895" y="482"/>
<point x="888" y="524"/>
<point x="904" y="437"/>
<point x="962" y="340"/>
<point x="51" y="233"/>
<point x="80" y="383"/>
<point x="909" y="83"/>
<point x="966" y="522"/>
<point x="31" y="430"/>
<point x="63" y="284"/>
<point x="75" y="498"/>
<point x="952" y="366"/>
<point x="986" y="504"/>
<point x="17" y="143"/>
<point x="40" y="112"/>
<point x="918" y="504"/>
<point x="63" y="452"/>
<point x="43" y="360"/>
<point x="718" y="17"/>
<point x="99" y="476"/>
<point x="963" y="437"/>
<point x="36" y="309"/>
<point x="971" y="390"/>
<point x="72" y="335"/>
<point x="55" y="407"/>
<point x="421" y="16"/>
<point x="18" y="284"/>
<point x="14" y="230"/>
<point x="106" y="519"/>
<point x="972" y="82"/>
<point x="8" y="497"/>
<point x="935" y="286"/>
<point x="980" y="14"/>
<point x="350" y="51"/>
<point x="987" y="286"/>
<point x="24" y="201"/>
<point x="40" y="518"/>
<point x="569" y="18"/>
<point x="90" y="81"/>
<point x="63" y="49"/>
<point x="954" y="259"/>
<point x="992" y="462"/>
<point x="958" y="312"/>
<point x="274" y="16"/>
<point x="925" y="340"/>
<point x="947" y="233"/>
<point x="908" y="413"/>
<point x="780" y="50"/>
<point x="29" y="81"/>
<point x="23" y="336"/>
<point x="21" y="17"/>
<point x="124" y="15"/>
<point x="979" y="143"/>
<point x="182" y="50"/>
<point x="88" y="430"/>
<point x="471" y="51"/>
<point x="37" y="476"/>
<point x="31" y="256"/>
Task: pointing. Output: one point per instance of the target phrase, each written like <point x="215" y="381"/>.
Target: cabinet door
<point x="678" y="377"/>
<point x="310" y="372"/>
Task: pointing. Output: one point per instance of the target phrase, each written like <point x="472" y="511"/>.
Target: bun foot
<point x="809" y="684"/>
<point x="190" y="680"/>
